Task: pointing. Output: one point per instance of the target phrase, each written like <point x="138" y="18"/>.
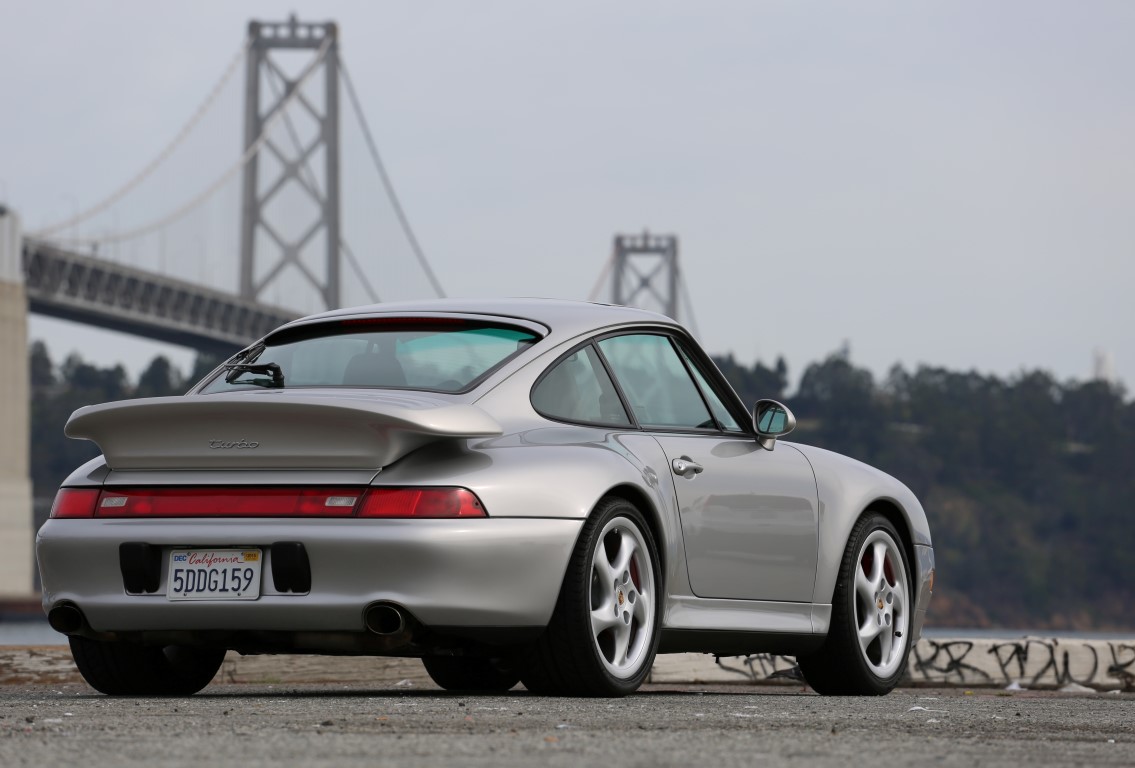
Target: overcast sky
<point x="942" y="183"/>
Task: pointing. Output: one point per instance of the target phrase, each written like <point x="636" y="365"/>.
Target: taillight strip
<point x="182" y="502"/>
<point x="75" y="502"/>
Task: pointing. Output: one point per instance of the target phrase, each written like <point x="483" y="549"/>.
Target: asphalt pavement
<point x="663" y="725"/>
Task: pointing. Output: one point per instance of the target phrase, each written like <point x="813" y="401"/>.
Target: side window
<point x="655" y="382"/>
<point x="579" y="389"/>
<point x="720" y="412"/>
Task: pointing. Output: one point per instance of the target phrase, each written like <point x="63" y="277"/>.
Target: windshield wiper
<point x="249" y="353"/>
<point x="272" y="369"/>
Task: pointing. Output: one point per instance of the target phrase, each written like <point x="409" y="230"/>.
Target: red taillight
<point x="267" y="502"/>
<point x="421" y="502"/>
<point x="75" y="502"/>
<point x="228" y="502"/>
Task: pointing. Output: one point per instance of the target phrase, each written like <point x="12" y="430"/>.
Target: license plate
<point x="214" y="574"/>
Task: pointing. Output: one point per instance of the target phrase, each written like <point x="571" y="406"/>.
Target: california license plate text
<point x="214" y="574"/>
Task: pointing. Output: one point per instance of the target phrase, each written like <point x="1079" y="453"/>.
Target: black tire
<point x="127" y="669"/>
<point x="577" y="657"/>
<point x="843" y="666"/>
<point x="471" y="673"/>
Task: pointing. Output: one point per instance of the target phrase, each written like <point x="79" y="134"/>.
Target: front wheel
<point x="865" y="653"/>
<point x="604" y="631"/>
<point x="126" y="669"/>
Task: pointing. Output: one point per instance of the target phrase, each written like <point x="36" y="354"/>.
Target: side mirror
<point x="772" y="420"/>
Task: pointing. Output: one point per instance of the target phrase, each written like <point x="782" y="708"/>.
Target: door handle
<point x="686" y="467"/>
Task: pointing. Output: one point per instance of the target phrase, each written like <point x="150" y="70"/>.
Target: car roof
<point x="561" y="317"/>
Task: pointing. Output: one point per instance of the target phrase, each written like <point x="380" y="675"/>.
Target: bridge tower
<point x="16" y="537"/>
<point x="267" y="88"/>
<point x="646" y="272"/>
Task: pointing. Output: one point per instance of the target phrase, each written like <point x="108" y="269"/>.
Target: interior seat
<point x="372" y="370"/>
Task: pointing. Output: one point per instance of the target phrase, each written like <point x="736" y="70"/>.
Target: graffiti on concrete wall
<point x="946" y="661"/>
<point x="761" y="667"/>
<point x="1122" y="666"/>
<point x="1029" y="662"/>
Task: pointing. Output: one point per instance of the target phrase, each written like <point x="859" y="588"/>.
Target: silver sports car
<point x="532" y="491"/>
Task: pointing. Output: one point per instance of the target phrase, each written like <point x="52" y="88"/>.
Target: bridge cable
<point x="397" y="205"/>
<point x="162" y="156"/>
<point x="346" y="249"/>
<point x="216" y="185"/>
<point x="313" y="182"/>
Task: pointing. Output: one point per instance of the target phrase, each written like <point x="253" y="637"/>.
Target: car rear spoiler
<point x="274" y="429"/>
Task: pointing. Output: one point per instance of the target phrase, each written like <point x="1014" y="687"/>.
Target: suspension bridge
<point x="290" y="246"/>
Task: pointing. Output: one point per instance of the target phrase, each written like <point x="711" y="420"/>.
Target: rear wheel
<point x="471" y="673"/>
<point x="865" y="653"/>
<point x="604" y="631"/>
<point x="127" y="669"/>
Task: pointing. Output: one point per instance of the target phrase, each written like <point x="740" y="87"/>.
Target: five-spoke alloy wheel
<point x="622" y="597"/>
<point x="881" y="599"/>
<point x="604" y="632"/>
<point x="869" y="638"/>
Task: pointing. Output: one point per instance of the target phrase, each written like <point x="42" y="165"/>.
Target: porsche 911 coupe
<point x="533" y="491"/>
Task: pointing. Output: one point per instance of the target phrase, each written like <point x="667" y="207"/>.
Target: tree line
<point x="1028" y="482"/>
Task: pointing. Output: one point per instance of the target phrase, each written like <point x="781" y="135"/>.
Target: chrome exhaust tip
<point x="66" y="618"/>
<point x="385" y="619"/>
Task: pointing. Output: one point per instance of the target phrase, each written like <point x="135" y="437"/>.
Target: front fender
<point x="846" y="488"/>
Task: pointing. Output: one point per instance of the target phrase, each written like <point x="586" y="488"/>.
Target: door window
<point x="655" y="382"/>
<point x="720" y="412"/>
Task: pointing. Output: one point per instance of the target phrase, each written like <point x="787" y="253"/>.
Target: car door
<point x="748" y="515"/>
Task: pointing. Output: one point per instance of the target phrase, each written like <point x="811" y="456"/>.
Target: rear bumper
<point x="446" y="573"/>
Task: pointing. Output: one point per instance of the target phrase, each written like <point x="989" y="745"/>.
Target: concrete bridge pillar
<point x="16" y="536"/>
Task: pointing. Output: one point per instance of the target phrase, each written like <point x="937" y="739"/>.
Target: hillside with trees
<point x="1029" y="483"/>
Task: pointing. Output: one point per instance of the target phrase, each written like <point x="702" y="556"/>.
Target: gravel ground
<point x="314" y="724"/>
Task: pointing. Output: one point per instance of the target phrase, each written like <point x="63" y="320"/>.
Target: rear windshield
<point x="441" y="355"/>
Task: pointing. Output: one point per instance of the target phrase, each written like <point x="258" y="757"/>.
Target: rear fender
<point x="554" y="472"/>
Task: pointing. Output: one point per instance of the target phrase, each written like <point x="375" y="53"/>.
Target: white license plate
<point x="214" y="574"/>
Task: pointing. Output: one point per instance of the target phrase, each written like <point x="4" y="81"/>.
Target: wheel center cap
<point x="880" y="603"/>
<point x="620" y="597"/>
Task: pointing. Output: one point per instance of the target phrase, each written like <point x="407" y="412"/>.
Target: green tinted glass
<point x="441" y="357"/>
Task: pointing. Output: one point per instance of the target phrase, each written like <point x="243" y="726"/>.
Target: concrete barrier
<point x="1027" y="662"/>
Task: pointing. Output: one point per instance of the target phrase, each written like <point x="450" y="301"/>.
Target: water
<point x="29" y="633"/>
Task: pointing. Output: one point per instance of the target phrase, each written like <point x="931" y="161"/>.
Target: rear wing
<point x="274" y="430"/>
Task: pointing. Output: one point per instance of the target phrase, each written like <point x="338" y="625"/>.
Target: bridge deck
<point x="85" y="289"/>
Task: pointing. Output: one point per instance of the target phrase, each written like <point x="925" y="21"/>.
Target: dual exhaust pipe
<point x="386" y="620"/>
